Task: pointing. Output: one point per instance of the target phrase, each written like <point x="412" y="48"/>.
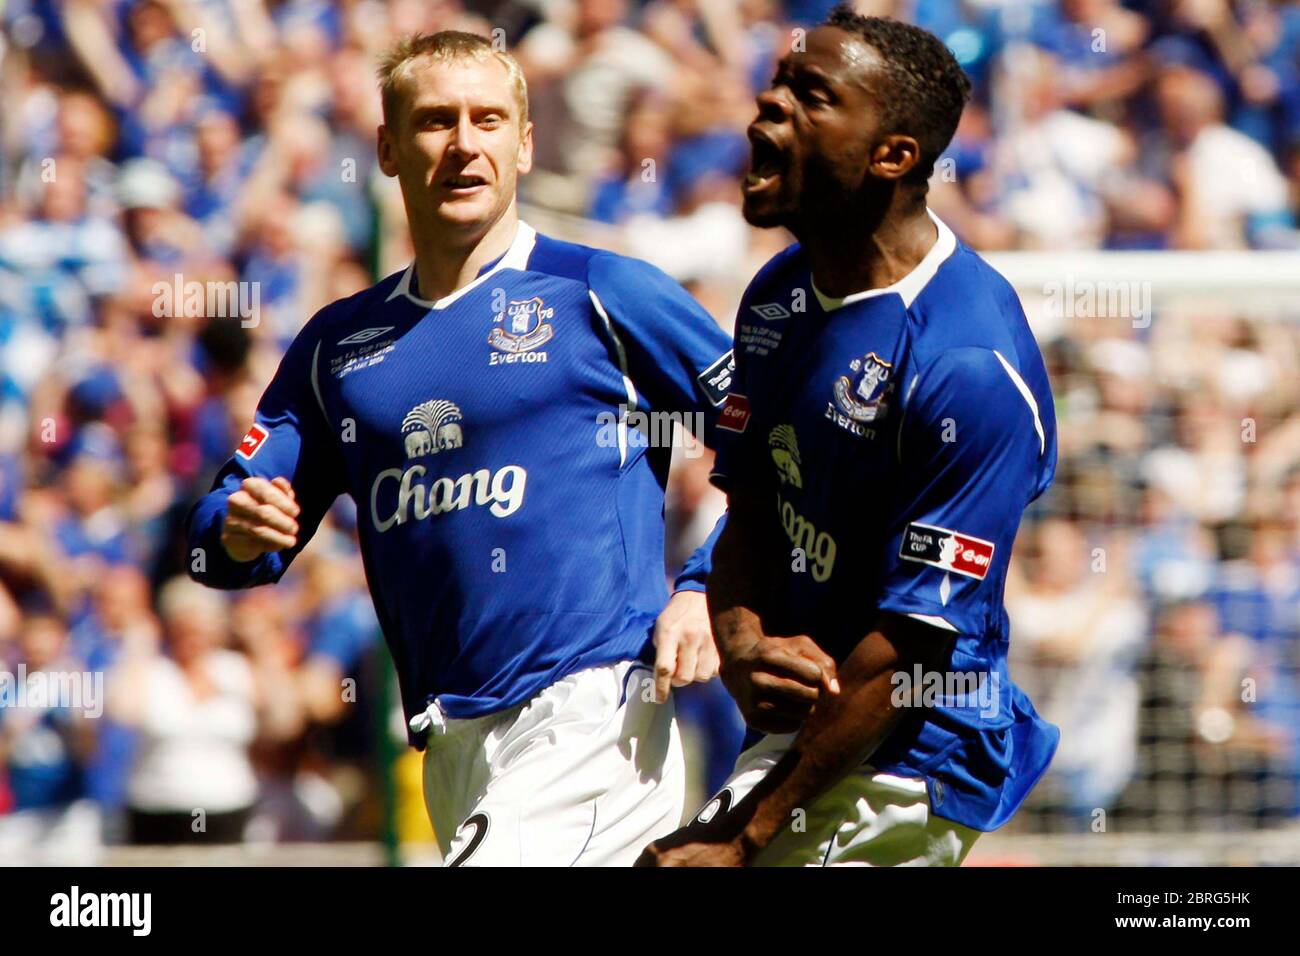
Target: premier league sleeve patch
<point x="949" y="550"/>
<point x="252" y="441"/>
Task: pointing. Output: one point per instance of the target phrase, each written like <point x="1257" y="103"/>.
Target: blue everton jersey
<point x="510" y="512"/>
<point x="900" y="433"/>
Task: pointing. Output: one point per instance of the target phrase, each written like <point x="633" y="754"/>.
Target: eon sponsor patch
<point x="735" y="413"/>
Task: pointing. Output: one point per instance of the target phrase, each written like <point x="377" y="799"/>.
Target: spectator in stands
<point x="1078" y="632"/>
<point x="1203" y="468"/>
<point x="1063" y="176"/>
<point x="1231" y="192"/>
<point x="583" y="75"/>
<point x="64" y="257"/>
<point x="46" y="739"/>
<point x="638" y="182"/>
<point x="194" y="711"/>
<point x="1204" y="754"/>
<point x="1258" y="597"/>
<point x="121" y="628"/>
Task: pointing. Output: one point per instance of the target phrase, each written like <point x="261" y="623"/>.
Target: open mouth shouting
<point x="767" y="163"/>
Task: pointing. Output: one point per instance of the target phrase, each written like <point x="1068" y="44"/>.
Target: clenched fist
<point x="776" y="680"/>
<point x="261" y="516"/>
<point x="684" y="648"/>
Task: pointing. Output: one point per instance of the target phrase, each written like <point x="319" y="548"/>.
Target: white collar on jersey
<point x="910" y="286"/>
<point x="516" y="257"/>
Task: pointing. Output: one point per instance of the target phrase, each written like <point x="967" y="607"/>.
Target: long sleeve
<point x="695" y="572"/>
<point x="290" y="437"/>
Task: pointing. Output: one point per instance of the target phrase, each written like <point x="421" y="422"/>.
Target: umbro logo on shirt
<point x="771" y="311"/>
<point x="364" y="349"/>
<point x="365" y="335"/>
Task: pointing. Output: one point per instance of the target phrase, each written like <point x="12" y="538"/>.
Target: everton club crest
<point x="860" y="398"/>
<point x="520" y="328"/>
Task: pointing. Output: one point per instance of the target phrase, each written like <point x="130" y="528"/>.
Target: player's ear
<point x="895" y="156"/>
<point x="524" y="164"/>
<point x="384" y="150"/>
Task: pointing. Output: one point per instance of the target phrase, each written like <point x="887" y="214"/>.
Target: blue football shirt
<point x="510" y="535"/>
<point x="900" y="433"/>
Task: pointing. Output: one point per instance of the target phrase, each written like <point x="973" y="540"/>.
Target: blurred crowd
<point x="147" y="145"/>
<point x="1155" y="593"/>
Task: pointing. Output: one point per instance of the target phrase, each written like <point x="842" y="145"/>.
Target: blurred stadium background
<point x="1133" y="167"/>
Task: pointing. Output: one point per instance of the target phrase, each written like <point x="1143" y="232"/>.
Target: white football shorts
<point x="867" y="819"/>
<point x="586" y="773"/>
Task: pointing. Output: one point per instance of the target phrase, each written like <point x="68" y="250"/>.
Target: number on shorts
<point x="480" y="823"/>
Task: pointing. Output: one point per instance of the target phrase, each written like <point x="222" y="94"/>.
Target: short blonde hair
<point x="446" y="46"/>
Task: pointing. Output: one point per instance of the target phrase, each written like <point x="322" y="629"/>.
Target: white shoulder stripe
<point x="315" y="381"/>
<point x="907" y="397"/>
<point x="622" y="367"/>
<point x="1028" y="397"/>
